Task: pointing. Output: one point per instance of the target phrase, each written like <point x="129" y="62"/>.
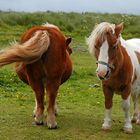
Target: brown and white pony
<point x="43" y="62"/>
<point x="118" y="67"/>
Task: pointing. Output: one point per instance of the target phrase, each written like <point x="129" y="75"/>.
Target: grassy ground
<point x="81" y="105"/>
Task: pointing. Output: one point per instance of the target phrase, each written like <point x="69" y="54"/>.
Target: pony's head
<point x="103" y="44"/>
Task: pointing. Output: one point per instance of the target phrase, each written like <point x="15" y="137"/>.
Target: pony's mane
<point x="50" y="25"/>
<point x="99" y="32"/>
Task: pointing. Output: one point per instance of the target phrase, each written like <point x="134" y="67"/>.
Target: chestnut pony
<point x="43" y="62"/>
<point x="118" y="66"/>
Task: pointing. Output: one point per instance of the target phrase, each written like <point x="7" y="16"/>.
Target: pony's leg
<point x="138" y="110"/>
<point x="52" y="88"/>
<point x="39" y="103"/>
<point x="56" y="109"/>
<point x="126" y="106"/>
<point x="108" y="105"/>
<point x="38" y="88"/>
<point x="39" y="107"/>
<point x="135" y="114"/>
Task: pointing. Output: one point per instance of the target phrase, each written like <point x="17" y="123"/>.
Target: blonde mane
<point x="50" y="25"/>
<point x="99" y="32"/>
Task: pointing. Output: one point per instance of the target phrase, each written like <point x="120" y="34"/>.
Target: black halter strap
<point x="111" y="66"/>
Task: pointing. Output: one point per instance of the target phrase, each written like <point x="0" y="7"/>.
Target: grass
<point x="81" y="105"/>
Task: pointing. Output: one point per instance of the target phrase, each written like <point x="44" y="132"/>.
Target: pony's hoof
<point x="52" y="125"/>
<point x="127" y="130"/>
<point x="38" y="121"/>
<point x="106" y="128"/>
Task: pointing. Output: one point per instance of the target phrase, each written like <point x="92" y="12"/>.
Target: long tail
<point x="28" y="52"/>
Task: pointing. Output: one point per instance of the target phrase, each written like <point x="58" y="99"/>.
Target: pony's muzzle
<point x="104" y="74"/>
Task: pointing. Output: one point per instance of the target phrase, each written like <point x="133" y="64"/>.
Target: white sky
<point x="109" y="6"/>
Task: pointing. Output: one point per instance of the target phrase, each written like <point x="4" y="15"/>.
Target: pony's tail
<point x="28" y="52"/>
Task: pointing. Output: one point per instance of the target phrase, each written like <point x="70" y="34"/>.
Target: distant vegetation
<point x="74" y="24"/>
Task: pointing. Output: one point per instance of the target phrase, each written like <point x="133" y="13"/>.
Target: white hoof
<point x="106" y="127"/>
<point x="52" y="125"/>
<point x="128" y="130"/>
<point x="39" y="120"/>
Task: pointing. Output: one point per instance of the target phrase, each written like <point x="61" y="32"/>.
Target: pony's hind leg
<point x="126" y="105"/>
<point x="52" y="88"/>
<point x="39" y="102"/>
<point x="38" y="88"/>
<point x="135" y="114"/>
<point x="39" y="105"/>
<point x="138" y="110"/>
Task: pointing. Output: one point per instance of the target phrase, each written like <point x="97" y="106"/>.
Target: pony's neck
<point x="119" y="61"/>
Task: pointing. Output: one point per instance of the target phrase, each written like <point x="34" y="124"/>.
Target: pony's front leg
<point x="136" y="115"/>
<point x="52" y="87"/>
<point x="126" y="105"/>
<point x="108" y="105"/>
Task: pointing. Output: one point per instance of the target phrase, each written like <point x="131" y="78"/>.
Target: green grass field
<point x="81" y="105"/>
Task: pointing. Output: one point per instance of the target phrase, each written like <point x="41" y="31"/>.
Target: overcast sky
<point x="109" y="6"/>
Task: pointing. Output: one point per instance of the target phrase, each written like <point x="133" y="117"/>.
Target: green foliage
<point x="77" y="24"/>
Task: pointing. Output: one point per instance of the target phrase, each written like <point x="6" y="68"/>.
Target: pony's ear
<point x="118" y="29"/>
<point x="68" y="41"/>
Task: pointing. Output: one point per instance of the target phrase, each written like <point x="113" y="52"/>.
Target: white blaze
<point x="103" y="56"/>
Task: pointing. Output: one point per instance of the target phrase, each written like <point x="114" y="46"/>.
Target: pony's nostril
<point x="101" y="73"/>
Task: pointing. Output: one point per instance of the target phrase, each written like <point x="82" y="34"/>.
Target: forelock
<point x="99" y="32"/>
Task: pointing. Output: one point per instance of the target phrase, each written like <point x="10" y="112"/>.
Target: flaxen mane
<point x="98" y="32"/>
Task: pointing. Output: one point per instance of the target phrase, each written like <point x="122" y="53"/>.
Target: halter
<point x="111" y="66"/>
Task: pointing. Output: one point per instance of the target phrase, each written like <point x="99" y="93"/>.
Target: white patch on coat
<point x="107" y="120"/>
<point x="126" y="106"/>
<point x="131" y="46"/>
<point x="103" y="56"/>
